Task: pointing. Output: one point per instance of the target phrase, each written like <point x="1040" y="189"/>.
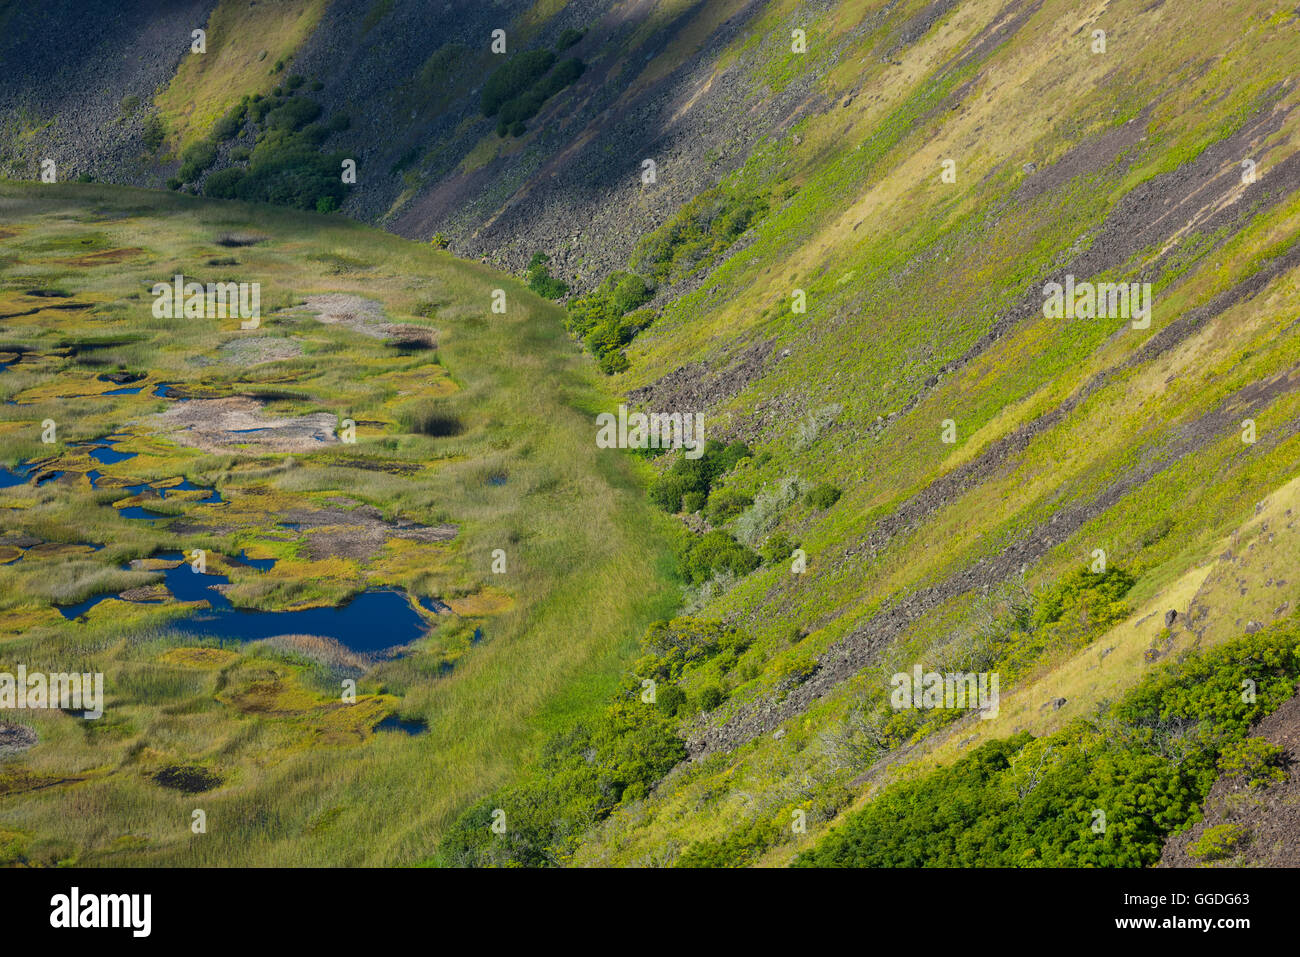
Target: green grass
<point x="304" y="780"/>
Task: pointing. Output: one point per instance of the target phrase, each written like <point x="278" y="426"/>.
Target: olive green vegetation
<point x="492" y="431"/>
<point x="1104" y="792"/>
<point x="541" y="281"/>
<point x="608" y="318"/>
<point x="285" y="165"/>
<point x="520" y="87"/>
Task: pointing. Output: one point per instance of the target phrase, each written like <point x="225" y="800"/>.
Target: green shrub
<point x="1220" y="841"/>
<point x="692" y="502"/>
<point x="671" y="648"/>
<point x="259" y="106"/>
<point x="670" y="700"/>
<point x="232" y="124"/>
<point x="777" y="548"/>
<point x="567" y="39"/>
<point x="737" y="849"/>
<point x="714" y="552"/>
<point x="1147" y="763"/>
<point x="605" y="320"/>
<point x="700" y="232"/>
<point x="822" y="496"/>
<point x="440" y="68"/>
<point x="1255" y="760"/>
<point x="710" y="697"/>
<point x="584" y="774"/>
<point x="224" y="183"/>
<point x="293" y="115"/>
<point x="541" y="281"/>
<point x="196" y="159"/>
<point x="796" y="669"/>
<point x="155" y="131"/>
<point x="696" y="475"/>
<point x="514" y="77"/>
<point x="291" y="175"/>
<point x="518" y="90"/>
<point x="724" y="505"/>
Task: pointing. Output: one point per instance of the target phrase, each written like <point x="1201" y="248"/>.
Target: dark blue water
<point x="185" y="486"/>
<point x="143" y="512"/>
<point x="109" y="455"/>
<point x="11" y="477"/>
<point x="394" y="723"/>
<point x="372" y="621"/>
<point x="164" y="390"/>
<point x="261" y="564"/>
<point x="433" y="605"/>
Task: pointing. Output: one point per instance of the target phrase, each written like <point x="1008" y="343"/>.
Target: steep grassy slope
<point x="925" y="304"/>
<point x="481" y="443"/>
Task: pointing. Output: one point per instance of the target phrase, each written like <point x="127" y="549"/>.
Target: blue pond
<point x="108" y="454"/>
<point x="370" y="622"/>
<point x="394" y="723"/>
<point x="11" y="477"/>
<point x="185" y="486"/>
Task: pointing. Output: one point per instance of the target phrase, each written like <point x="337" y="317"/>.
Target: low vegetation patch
<point x="1105" y="792"/>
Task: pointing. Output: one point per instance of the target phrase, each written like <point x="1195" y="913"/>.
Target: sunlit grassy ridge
<point x="304" y="780"/>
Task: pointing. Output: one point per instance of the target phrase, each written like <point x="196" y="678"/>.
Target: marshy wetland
<point x="343" y="474"/>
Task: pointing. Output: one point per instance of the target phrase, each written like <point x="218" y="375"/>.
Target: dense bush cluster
<point x="686" y="485"/>
<point x="822" y="496"/>
<point x="518" y="89"/>
<point x="605" y="320"/>
<point x="1104" y="793"/>
<point x="542" y="282"/>
<point x="286" y="166"/>
<point x="715" y="552"/>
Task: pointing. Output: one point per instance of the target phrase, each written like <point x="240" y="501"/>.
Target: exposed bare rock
<point x="239" y="424"/>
